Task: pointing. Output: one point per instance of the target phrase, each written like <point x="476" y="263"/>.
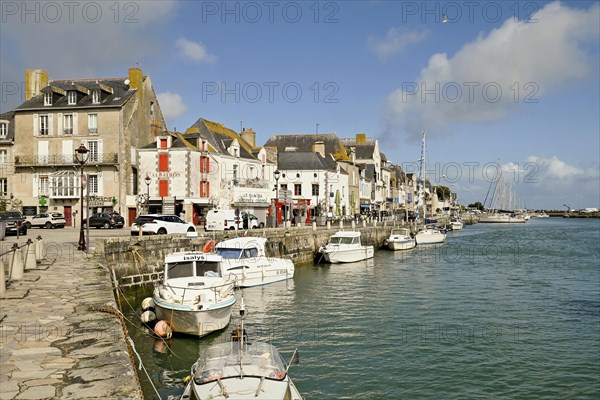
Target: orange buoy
<point x="208" y="246"/>
<point x="163" y="329"/>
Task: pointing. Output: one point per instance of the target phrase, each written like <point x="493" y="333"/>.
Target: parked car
<point x="219" y="220"/>
<point x="14" y="222"/>
<point x="45" y="220"/>
<point x="105" y="220"/>
<point x="160" y="224"/>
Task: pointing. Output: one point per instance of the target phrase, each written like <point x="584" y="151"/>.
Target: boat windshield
<point x="207" y="268"/>
<point x="222" y="361"/>
<point x="228" y="252"/>
<point x="185" y="269"/>
<point x="341" y="240"/>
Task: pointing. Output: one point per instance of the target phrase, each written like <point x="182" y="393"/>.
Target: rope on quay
<point x="142" y="367"/>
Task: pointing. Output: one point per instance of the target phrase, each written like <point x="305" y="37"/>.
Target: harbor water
<point x="499" y="311"/>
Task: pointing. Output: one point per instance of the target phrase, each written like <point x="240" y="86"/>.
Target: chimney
<point x="361" y="138"/>
<point x="35" y="81"/>
<point x="136" y="77"/>
<point x="353" y="154"/>
<point x="249" y="136"/>
<point x="319" y="147"/>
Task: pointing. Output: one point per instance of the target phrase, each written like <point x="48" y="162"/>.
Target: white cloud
<point x="395" y="42"/>
<point x="172" y="105"/>
<point x="555" y="170"/>
<point x="195" y="51"/>
<point x="536" y="58"/>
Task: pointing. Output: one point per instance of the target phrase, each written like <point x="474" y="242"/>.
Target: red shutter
<point x="163" y="188"/>
<point x="201" y="189"/>
<point x="163" y="143"/>
<point x="207" y="169"/>
<point x="201" y="164"/>
<point x="163" y="162"/>
<point x="207" y="189"/>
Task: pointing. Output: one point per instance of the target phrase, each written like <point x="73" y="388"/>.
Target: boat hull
<point x="430" y="238"/>
<point x="251" y="274"/>
<point x="336" y="256"/>
<point x="501" y="219"/>
<point x="402" y="244"/>
<point x="194" y="322"/>
<point x="456" y="226"/>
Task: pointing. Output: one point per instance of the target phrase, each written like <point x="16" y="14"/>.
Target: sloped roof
<point x="121" y="93"/>
<point x="218" y="137"/>
<point x="10" y="117"/>
<point x="305" y="142"/>
<point x="369" y="171"/>
<point x="305" y="160"/>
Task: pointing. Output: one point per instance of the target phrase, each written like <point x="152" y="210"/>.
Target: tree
<point x="477" y="205"/>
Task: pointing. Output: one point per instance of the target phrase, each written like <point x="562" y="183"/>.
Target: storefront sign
<point x="252" y="198"/>
<point x="166" y="174"/>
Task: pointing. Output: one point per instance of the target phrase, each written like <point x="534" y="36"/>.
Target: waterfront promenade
<point x="57" y="340"/>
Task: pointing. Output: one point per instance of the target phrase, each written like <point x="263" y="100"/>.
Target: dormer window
<point x="96" y="96"/>
<point x="72" y="98"/>
<point x="3" y="130"/>
<point x="48" y="99"/>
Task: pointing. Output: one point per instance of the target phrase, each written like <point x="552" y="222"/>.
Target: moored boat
<point x="430" y="235"/>
<point x="244" y="259"/>
<point x="456" y="225"/>
<point x="345" y="247"/>
<point x="400" y="239"/>
<point x="241" y="369"/>
<point x="194" y="297"/>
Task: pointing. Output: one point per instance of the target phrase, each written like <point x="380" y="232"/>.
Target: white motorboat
<point x="400" y="239"/>
<point x="456" y="225"/>
<point x="241" y="370"/>
<point x="244" y="259"/>
<point x="502" y="218"/>
<point x="430" y="235"/>
<point x="345" y="247"/>
<point x="194" y="297"/>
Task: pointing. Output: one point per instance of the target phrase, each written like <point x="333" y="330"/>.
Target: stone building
<point x="110" y="116"/>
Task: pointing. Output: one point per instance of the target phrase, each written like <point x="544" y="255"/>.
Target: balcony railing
<point x="68" y="131"/>
<point x="251" y="183"/>
<point x="64" y="159"/>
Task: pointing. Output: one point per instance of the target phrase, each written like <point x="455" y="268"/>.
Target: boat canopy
<point x="226" y="360"/>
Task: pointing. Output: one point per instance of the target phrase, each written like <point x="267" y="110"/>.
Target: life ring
<point x="208" y="246"/>
<point x="279" y="375"/>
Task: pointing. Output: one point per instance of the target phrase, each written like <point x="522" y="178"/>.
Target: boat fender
<point x="148" y="316"/>
<point x="208" y="246"/>
<point x="163" y="329"/>
<point x="187" y="379"/>
<point x="279" y="374"/>
<point x="148" y="303"/>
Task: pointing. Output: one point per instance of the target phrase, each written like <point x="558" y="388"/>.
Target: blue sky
<point x="361" y="67"/>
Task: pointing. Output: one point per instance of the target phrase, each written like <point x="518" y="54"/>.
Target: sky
<point x="500" y="87"/>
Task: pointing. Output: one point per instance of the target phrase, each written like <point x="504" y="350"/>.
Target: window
<point x="93" y="184"/>
<point x="96" y="96"/>
<point x="3" y="186"/>
<point x="93" y="123"/>
<point x="72" y="98"/>
<point x="315" y="190"/>
<point x="297" y="189"/>
<point x="283" y="186"/>
<point x="3" y="130"/>
<point x="48" y="99"/>
<point x="92" y="146"/>
<point x="151" y="108"/>
<point x="43" y="186"/>
<point x="62" y="184"/>
<point x="3" y="155"/>
<point x="68" y="124"/>
<point x="163" y="143"/>
<point x="235" y="174"/>
<point x="163" y="162"/>
<point x="44" y="125"/>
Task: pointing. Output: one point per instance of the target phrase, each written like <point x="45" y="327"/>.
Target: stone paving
<point x="53" y="342"/>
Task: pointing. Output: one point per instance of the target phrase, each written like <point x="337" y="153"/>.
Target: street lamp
<point x="81" y="154"/>
<point x="277" y="175"/>
<point x="147" y="180"/>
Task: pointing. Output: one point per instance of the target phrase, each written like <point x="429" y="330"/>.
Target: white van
<point x="220" y="220"/>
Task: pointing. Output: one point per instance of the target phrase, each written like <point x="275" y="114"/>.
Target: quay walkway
<point x="60" y="334"/>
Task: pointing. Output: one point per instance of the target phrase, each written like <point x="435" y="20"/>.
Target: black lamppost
<point x="81" y="154"/>
<point x="276" y="174"/>
<point x="147" y="180"/>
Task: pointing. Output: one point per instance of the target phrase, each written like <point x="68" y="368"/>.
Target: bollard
<point x="384" y="223"/>
<point x="374" y="223"/>
<point x="353" y="224"/>
<point x="16" y="268"/>
<point x="39" y="248"/>
<point x="364" y="223"/>
<point x="314" y="226"/>
<point x="2" y="282"/>
<point x="328" y="225"/>
<point x="341" y="224"/>
<point x="30" y="262"/>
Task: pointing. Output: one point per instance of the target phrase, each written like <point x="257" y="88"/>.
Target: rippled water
<point x="508" y="312"/>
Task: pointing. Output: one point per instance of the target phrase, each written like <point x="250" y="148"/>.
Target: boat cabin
<point x="347" y="238"/>
<point x="241" y="248"/>
<point x="183" y="266"/>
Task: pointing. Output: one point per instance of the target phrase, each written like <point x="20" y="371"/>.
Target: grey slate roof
<point x="121" y="94"/>
<point x="369" y="171"/>
<point x="305" y="160"/>
<point x="304" y="142"/>
<point x="10" y="117"/>
<point x="217" y="136"/>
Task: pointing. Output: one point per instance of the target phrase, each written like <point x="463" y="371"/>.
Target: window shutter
<point x="36" y="130"/>
<point x="163" y="188"/>
<point x="60" y="124"/>
<point x="207" y="189"/>
<point x="101" y="156"/>
<point x="50" y="124"/>
<point x="36" y="183"/>
<point x="100" y="185"/>
<point x="75" y="128"/>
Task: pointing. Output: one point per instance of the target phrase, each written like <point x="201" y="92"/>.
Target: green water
<point x="509" y="312"/>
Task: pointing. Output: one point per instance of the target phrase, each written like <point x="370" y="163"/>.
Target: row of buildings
<point x="135" y="164"/>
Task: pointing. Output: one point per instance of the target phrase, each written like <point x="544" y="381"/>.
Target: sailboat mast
<point x="424" y="177"/>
